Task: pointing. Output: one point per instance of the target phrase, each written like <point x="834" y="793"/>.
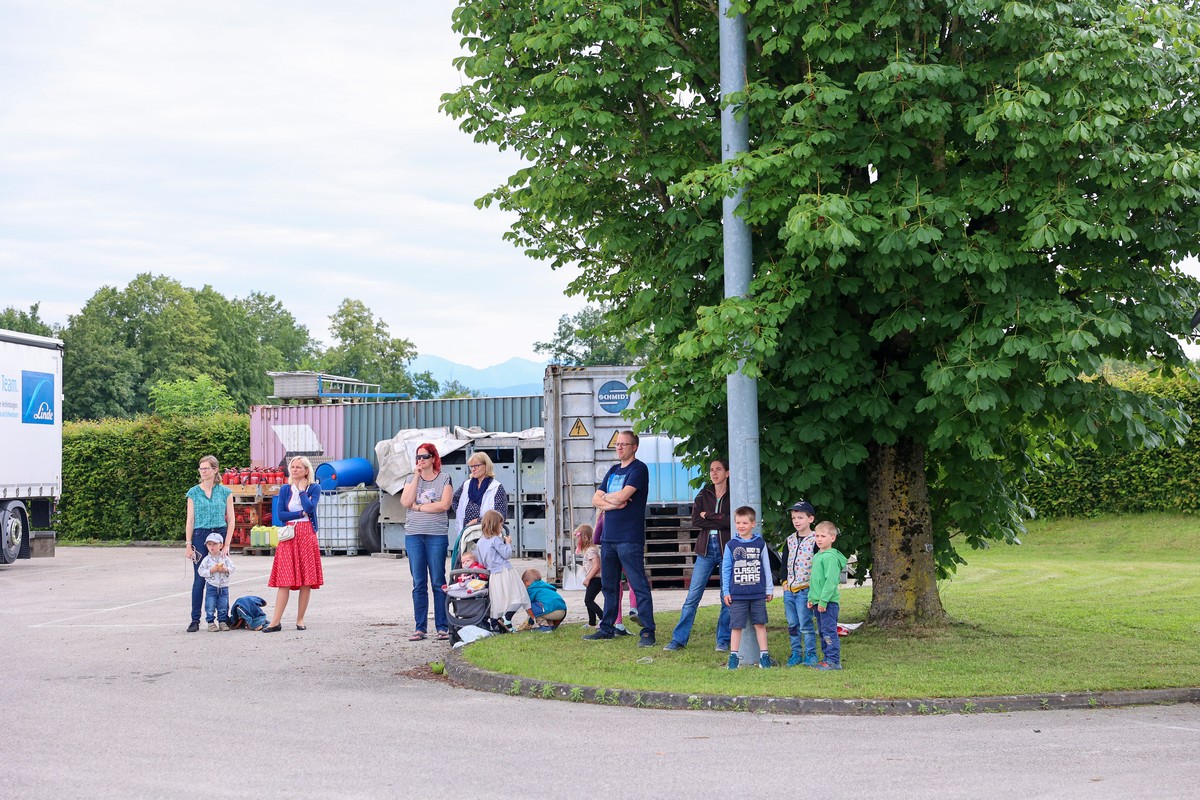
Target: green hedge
<point x="1162" y="479"/>
<point x="125" y="480"/>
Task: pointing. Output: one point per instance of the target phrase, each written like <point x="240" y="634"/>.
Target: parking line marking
<point x="131" y="605"/>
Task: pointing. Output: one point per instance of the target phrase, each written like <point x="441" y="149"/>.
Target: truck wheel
<point x="369" y="537"/>
<point x="13" y="532"/>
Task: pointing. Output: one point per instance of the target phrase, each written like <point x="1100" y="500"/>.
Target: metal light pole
<point x="745" y="485"/>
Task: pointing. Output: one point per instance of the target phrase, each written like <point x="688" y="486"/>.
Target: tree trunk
<point x="904" y="589"/>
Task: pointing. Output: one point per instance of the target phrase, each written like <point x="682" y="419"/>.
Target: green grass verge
<point x="1083" y="605"/>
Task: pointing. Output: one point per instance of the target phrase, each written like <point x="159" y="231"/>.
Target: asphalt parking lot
<point x="105" y="695"/>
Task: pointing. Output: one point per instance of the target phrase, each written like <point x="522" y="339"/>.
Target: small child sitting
<point x="467" y="561"/>
<point x="546" y="606"/>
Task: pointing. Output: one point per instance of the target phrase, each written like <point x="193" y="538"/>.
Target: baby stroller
<point x="467" y="603"/>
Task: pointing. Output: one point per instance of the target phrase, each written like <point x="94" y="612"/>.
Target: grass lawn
<point x="1082" y="605"/>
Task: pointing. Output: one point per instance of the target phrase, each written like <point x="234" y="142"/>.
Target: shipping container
<point x="315" y="431"/>
<point x="584" y="408"/>
<point x="369" y="423"/>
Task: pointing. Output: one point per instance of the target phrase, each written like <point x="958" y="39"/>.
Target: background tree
<point x="959" y="210"/>
<point x="155" y="330"/>
<point x="585" y="339"/>
<point x="456" y="388"/>
<point x="14" y="319"/>
<point x="363" y="349"/>
<point x="101" y="372"/>
<point x="254" y="336"/>
<point x="189" y="397"/>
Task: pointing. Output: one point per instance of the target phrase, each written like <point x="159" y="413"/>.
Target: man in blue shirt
<point x="622" y="498"/>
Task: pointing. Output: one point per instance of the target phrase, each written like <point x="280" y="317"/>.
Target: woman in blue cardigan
<point x="297" y="562"/>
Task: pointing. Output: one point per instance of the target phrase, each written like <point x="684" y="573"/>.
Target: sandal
<point x="443" y="635"/>
<point x="416" y="637"/>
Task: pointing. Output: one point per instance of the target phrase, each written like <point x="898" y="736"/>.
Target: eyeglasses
<point x="623" y="444"/>
<point x="423" y="456"/>
<point x="473" y="466"/>
<point x="206" y="469"/>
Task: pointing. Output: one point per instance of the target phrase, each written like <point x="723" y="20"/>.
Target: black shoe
<point x="646" y="639"/>
<point x="598" y="636"/>
<point x="620" y="631"/>
<point x="633" y="617"/>
<point x="195" y="626"/>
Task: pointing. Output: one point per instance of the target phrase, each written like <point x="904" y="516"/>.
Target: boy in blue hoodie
<point x="823" y="594"/>
<point x="746" y="586"/>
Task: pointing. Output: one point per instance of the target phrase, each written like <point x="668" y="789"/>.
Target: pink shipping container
<point x="316" y="431"/>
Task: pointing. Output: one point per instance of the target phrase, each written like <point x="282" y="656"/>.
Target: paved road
<point x="104" y="695"/>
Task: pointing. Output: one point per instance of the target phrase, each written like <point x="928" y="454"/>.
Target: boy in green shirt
<point x="823" y="593"/>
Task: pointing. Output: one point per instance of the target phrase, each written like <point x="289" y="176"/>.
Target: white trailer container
<point x="583" y="408"/>
<point x="30" y="442"/>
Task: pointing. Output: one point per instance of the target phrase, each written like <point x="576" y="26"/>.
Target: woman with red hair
<point x="426" y="538"/>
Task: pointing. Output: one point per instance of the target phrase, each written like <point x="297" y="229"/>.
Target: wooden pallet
<point x="258" y="551"/>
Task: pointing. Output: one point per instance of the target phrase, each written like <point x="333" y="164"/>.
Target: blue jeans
<point x="216" y="599"/>
<point x="427" y="563"/>
<point x="198" y="583"/>
<point x="630" y="557"/>
<point x="831" y="648"/>
<point x="801" y="630"/>
<point x="701" y="573"/>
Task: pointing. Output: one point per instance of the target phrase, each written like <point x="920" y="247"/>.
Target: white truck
<point x="30" y="441"/>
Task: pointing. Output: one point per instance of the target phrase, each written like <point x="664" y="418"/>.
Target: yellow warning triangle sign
<point x="613" y="441"/>
<point x="578" y="430"/>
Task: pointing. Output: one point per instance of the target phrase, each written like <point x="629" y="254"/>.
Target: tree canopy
<point x="583" y="339"/>
<point x="194" y="347"/>
<point x="959" y="210"/>
<point x="14" y="319"/>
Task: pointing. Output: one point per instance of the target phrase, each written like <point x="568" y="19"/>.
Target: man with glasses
<point x="622" y="498"/>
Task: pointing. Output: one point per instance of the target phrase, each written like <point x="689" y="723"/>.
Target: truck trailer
<point x="30" y="441"/>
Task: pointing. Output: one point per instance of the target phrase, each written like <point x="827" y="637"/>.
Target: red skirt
<point x="298" y="561"/>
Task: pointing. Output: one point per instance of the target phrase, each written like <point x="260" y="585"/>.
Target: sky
<point x="293" y="148"/>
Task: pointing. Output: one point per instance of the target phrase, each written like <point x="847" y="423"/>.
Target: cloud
<point x="293" y="148"/>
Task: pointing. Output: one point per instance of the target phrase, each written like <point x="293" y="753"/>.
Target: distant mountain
<point x="515" y="377"/>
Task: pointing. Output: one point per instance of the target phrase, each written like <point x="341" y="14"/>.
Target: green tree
<point x="587" y="338"/>
<point x="959" y="209"/>
<point x="366" y="351"/>
<point x="14" y="319"/>
<point x="153" y="326"/>
<point x="456" y="388"/>
<point x="101" y="373"/>
<point x="189" y="397"/>
<point x="252" y="336"/>
<point x="278" y="331"/>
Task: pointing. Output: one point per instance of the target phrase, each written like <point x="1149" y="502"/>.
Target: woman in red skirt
<point x="297" y="562"/>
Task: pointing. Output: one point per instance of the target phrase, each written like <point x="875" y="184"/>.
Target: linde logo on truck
<point x="37" y="398"/>
<point x="613" y="397"/>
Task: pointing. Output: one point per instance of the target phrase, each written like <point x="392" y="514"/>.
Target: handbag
<point x="288" y="532"/>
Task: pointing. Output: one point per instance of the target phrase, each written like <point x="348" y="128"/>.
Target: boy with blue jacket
<point x="746" y="586"/>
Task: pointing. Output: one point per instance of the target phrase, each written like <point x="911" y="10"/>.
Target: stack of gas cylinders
<point x="253" y="476"/>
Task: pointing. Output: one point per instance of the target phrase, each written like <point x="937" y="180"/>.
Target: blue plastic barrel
<point x="344" y="473"/>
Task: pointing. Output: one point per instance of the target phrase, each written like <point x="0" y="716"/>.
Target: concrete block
<point x="41" y="544"/>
